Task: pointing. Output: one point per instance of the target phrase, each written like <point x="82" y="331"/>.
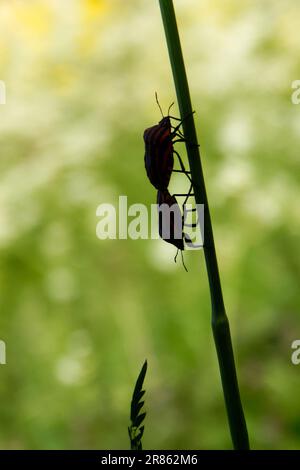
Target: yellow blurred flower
<point x="91" y="13"/>
<point x="35" y="19"/>
<point x="93" y="9"/>
<point x="288" y="28"/>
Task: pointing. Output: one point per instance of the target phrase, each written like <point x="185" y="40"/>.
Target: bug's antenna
<point x="175" y="257"/>
<point x="156" y="97"/>
<point x="170" y="108"/>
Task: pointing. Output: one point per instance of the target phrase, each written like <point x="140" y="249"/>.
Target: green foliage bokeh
<point x="80" y="315"/>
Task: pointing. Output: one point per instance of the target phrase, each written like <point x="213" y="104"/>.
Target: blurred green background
<point x="80" y="315"/>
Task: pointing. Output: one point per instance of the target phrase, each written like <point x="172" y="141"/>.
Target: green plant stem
<point x="220" y="323"/>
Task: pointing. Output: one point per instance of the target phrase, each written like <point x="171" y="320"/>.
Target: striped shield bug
<point x="159" y="164"/>
<point x="159" y="150"/>
<point x="171" y="221"/>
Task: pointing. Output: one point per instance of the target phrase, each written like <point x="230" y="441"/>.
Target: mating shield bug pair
<point x="159" y="163"/>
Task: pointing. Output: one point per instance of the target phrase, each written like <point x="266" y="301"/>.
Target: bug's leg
<point x="180" y="171"/>
<point x="182" y="195"/>
<point x="180" y="162"/>
<point x="193" y="225"/>
<point x="183" y="170"/>
<point x="176" y="132"/>
<point x="184" y="211"/>
<point x="188" y="195"/>
<point x="175" y="259"/>
<point x="176" y="129"/>
<point x="183" y="236"/>
<point x="179" y="138"/>
<point x="183" y="263"/>
<point x="188" y="240"/>
<point x="183" y="119"/>
<point x="179" y="135"/>
<point x="175" y="118"/>
<point x="187" y="173"/>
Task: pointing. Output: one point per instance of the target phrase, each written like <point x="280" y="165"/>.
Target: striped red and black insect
<point x="159" y="150"/>
<point x="159" y="164"/>
<point x="171" y="221"/>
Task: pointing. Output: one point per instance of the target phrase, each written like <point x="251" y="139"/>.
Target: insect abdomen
<point x="159" y="160"/>
<point x="170" y="223"/>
